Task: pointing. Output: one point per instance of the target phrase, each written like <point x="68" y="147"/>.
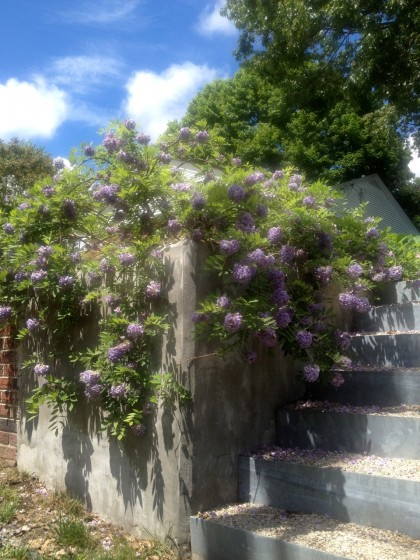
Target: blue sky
<point x="70" y="67"/>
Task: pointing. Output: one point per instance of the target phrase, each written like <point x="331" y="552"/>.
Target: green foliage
<point x="87" y="248"/>
<point x="72" y="532"/>
<point x="9" y="503"/>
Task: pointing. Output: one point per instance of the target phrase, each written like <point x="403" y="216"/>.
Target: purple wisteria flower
<point x="153" y="289"/>
<point x="112" y="300"/>
<point x="354" y="270"/>
<point x="362" y="305"/>
<point x="380" y="276"/>
<point x="349" y="300"/>
<point x="337" y="380"/>
<point x="208" y="176"/>
<point x="174" y="226"/>
<point x="261" y="211"/>
<point x="223" y="302"/>
<point x="134" y="330"/>
<point x="66" y="282"/>
<point x="304" y="339"/>
<point x="111" y="142"/>
<point x="197" y="235"/>
<point x="311" y="372"/>
<point x="202" y="136"/>
<point x="75" y="257"/>
<point x="198" y="201"/>
<point x="126" y="259"/>
<point x="9" y="228"/>
<point x="323" y="274"/>
<point x="90" y="377"/>
<point x="237" y="193"/>
<point x="48" y="190"/>
<point x="395" y="273"/>
<point x="277" y="175"/>
<point x="32" y="324"/>
<point x="343" y="339"/>
<point x="283" y="318"/>
<point x="106" y="266"/>
<point x="372" y="233"/>
<point x="108" y="193"/>
<point x="267" y="336"/>
<point x="251" y="357"/>
<point x="139" y="430"/>
<point x="277" y="278"/>
<point x="316" y="308"/>
<point x="130" y="124"/>
<point x="68" y="207"/>
<point x="118" y="391"/>
<point x="116" y="353"/>
<point x="21" y="276"/>
<point x="287" y="254"/>
<point x="345" y="362"/>
<point x="5" y="313"/>
<point x="164" y="157"/>
<point x="200" y="318"/>
<point x="237" y="161"/>
<point x="38" y="276"/>
<point x="309" y="201"/>
<point x="245" y="223"/>
<point x="45" y="251"/>
<point x="229" y="246"/>
<point x="182" y="187"/>
<point x="243" y="273"/>
<point x="89" y="150"/>
<point x="184" y="133"/>
<point x="254" y="178"/>
<point x="143" y="139"/>
<point x="93" y="392"/>
<point x="325" y="242"/>
<point x="258" y="257"/>
<point x="41" y="369"/>
<point x="24" y="206"/>
<point x="280" y="297"/>
<point x="232" y="322"/>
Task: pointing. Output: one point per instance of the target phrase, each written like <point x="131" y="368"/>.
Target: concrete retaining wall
<point x="188" y="460"/>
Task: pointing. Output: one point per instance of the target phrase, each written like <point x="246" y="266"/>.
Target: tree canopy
<point x="21" y="164"/>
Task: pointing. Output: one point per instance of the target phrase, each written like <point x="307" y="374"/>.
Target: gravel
<point x="408" y="469"/>
<point x="320" y="532"/>
<point x="407" y="410"/>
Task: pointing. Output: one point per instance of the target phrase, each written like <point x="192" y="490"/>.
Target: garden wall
<point x="8" y="397"/>
<point x="188" y="460"/>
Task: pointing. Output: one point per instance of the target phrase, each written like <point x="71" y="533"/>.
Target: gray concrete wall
<point x="188" y="460"/>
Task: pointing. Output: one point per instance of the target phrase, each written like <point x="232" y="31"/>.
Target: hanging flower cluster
<point x="91" y="239"/>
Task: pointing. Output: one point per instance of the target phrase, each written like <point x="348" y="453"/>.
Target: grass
<point x="61" y="528"/>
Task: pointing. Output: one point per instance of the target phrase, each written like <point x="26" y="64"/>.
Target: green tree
<point x="21" y="164"/>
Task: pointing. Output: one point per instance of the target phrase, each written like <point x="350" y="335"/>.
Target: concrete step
<point x="258" y="532"/>
<point x="381" y="387"/>
<point x="389" y="318"/>
<point x="322" y="427"/>
<point x="375" y="501"/>
<point x="386" y="350"/>
<point x="397" y="292"/>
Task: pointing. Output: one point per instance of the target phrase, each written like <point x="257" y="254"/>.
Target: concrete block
<point x="375" y="501"/>
<point x="397" y="292"/>
<point x="404" y="317"/>
<point x="367" y="434"/>
<point x="215" y="541"/>
<point x="397" y="350"/>
<point x="390" y="387"/>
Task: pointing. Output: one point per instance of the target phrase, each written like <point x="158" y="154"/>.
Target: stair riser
<point x="401" y="318"/>
<point x="400" y="350"/>
<point x="380" y="502"/>
<point x="384" y="436"/>
<point x="213" y="541"/>
<point x="397" y="292"/>
<point x="365" y="388"/>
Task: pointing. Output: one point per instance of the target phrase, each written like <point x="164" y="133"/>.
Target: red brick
<point x="9" y="397"/>
<point x="8" y="411"/>
<point x="7" y="382"/>
<point x="7" y="330"/>
<point x="8" y="357"/>
<point x="9" y="453"/>
<point x="7" y="343"/>
<point x="12" y="439"/>
<point x="4" y="438"/>
<point x="9" y="369"/>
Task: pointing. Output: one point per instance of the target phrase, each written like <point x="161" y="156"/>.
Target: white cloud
<point x="211" y="22"/>
<point x="154" y="99"/>
<point x="31" y="109"/>
<point x="101" y="11"/>
<point x="414" y="164"/>
<point x="81" y="72"/>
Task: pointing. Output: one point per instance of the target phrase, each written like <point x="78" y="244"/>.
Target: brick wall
<point x="8" y="397"/>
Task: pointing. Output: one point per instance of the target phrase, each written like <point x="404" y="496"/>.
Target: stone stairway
<point x="343" y="480"/>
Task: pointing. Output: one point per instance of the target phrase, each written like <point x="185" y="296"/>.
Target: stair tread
<point x="406" y="410"/>
<point x="317" y="532"/>
<point x="393" y="467"/>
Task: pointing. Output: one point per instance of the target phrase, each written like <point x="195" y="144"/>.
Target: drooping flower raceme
<point x="311" y="372"/>
<point x="153" y="289"/>
<point x="232" y="322"/>
<point x="304" y="339"/>
<point x="41" y="369"/>
<point x="229" y="246"/>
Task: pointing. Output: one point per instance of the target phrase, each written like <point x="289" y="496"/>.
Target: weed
<point x="72" y="532"/>
<point x="19" y="553"/>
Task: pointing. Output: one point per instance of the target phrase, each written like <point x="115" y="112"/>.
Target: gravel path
<point x="408" y="410"/>
<point x="320" y="532"/>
